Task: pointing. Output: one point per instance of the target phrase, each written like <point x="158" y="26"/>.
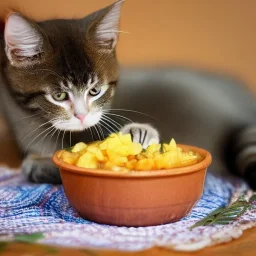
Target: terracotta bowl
<point x="142" y="198"/>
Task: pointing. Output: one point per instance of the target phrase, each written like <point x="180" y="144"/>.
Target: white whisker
<point x="97" y="131"/>
<point x="38" y="128"/>
<point x="25" y="118"/>
<point x="51" y="136"/>
<point x="101" y="131"/>
<point x="108" y="125"/>
<point x="91" y="133"/>
<point x="122" y="117"/>
<point x="36" y="138"/>
<point x="106" y="128"/>
<point x="129" y="110"/>
<point x="113" y="122"/>
<point x="42" y="153"/>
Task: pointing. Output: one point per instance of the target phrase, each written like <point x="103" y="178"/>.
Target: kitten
<point x="60" y="76"/>
<point x="59" y="79"/>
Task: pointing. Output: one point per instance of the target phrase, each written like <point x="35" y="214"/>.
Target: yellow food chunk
<point x="131" y="164"/>
<point x="126" y="139"/>
<point x="118" y="153"/>
<point x="96" y="151"/>
<point x="141" y="156"/>
<point x="108" y="165"/>
<point x="172" y="145"/>
<point x="151" y="149"/>
<point x="59" y="155"/>
<point x="79" y="146"/>
<point x="160" y="161"/>
<point x="137" y="148"/>
<point x="70" y="158"/>
<point x="121" y="144"/>
<point x="115" y="158"/>
<point x="87" y="160"/>
<point x="130" y="158"/>
<point x="145" y="164"/>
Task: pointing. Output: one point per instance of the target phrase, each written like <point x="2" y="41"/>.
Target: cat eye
<point x="95" y="91"/>
<point x="60" y="96"/>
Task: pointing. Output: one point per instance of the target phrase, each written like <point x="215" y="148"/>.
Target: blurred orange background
<point x="218" y="35"/>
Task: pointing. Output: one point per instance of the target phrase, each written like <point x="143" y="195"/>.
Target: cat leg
<point x="40" y="169"/>
<point x="141" y="133"/>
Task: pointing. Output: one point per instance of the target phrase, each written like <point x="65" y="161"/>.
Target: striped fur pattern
<point x="59" y="78"/>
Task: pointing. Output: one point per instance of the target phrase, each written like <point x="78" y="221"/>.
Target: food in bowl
<point x="116" y="181"/>
<point x="119" y="153"/>
<point x="134" y="198"/>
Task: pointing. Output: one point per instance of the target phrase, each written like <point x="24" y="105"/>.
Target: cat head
<point x="64" y="70"/>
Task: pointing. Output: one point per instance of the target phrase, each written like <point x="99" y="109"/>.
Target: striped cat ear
<point x="106" y="28"/>
<point x="23" y="41"/>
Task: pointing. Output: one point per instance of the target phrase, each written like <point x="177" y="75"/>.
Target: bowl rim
<point x="139" y="174"/>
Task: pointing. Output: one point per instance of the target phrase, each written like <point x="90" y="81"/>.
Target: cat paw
<point x="40" y="170"/>
<point x="144" y="134"/>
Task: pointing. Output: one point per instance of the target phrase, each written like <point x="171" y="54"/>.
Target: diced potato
<point x="70" y="158"/>
<point x="137" y="148"/>
<point x="118" y="153"/>
<point x="141" y="156"/>
<point x="126" y="139"/>
<point x="116" y="159"/>
<point x="59" y="155"/>
<point x="131" y="164"/>
<point x="87" y="160"/>
<point x="151" y="149"/>
<point x="160" y="161"/>
<point x="131" y="158"/>
<point x="79" y="146"/>
<point x="172" y="145"/>
<point x="96" y="151"/>
<point x="109" y="165"/>
<point x="145" y="164"/>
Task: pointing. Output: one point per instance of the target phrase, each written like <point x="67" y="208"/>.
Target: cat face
<point x="64" y="70"/>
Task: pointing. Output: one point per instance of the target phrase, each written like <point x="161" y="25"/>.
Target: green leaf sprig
<point x="225" y="215"/>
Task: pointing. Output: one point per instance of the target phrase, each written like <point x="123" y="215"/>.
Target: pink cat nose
<point x="80" y="117"/>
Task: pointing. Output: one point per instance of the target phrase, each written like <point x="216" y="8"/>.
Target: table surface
<point x="245" y="245"/>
